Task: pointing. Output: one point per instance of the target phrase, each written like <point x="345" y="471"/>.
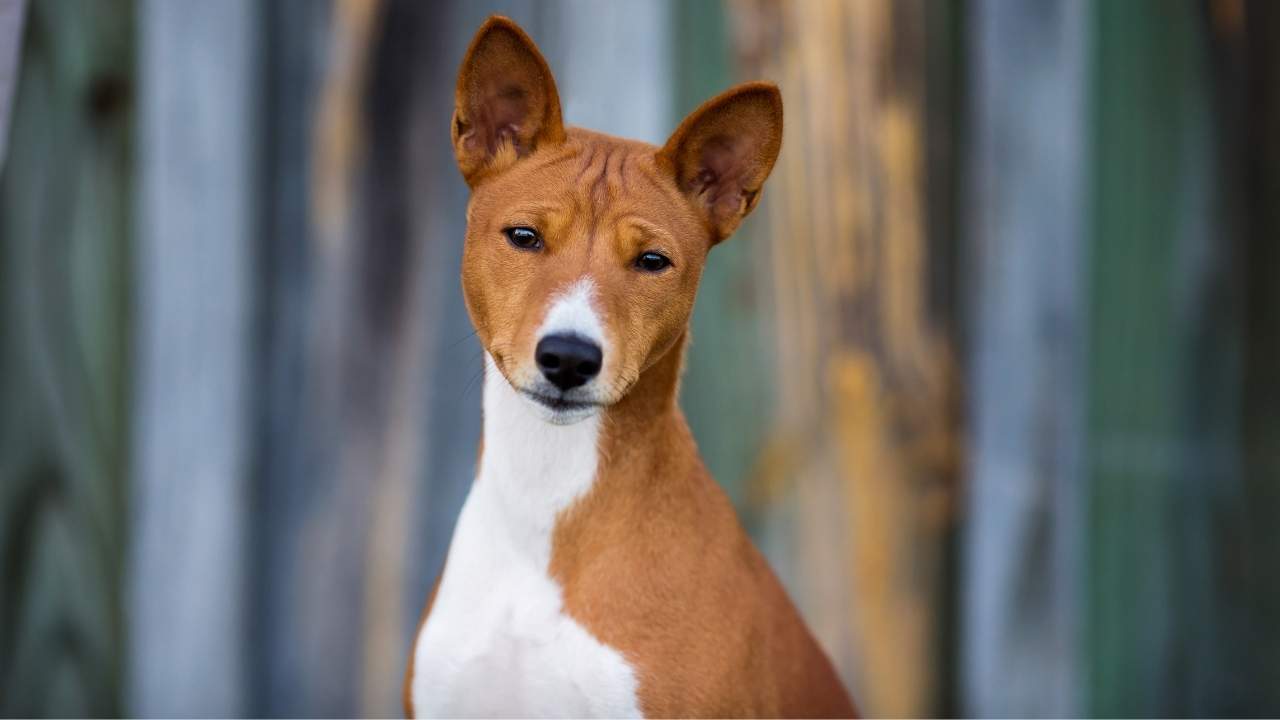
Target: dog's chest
<point x="497" y="642"/>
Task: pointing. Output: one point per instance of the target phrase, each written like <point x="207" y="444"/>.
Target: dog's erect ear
<point x="506" y="102"/>
<point x="722" y="153"/>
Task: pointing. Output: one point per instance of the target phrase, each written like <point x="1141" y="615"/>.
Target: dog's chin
<point x="560" y="410"/>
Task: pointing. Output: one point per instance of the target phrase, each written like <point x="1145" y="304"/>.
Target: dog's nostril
<point x="549" y="361"/>
<point x="588" y="368"/>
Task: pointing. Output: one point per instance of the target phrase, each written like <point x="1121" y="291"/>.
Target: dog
<point x="597" y="569"/>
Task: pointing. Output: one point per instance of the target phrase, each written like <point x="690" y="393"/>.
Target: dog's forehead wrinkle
<point x="602" y="184"/>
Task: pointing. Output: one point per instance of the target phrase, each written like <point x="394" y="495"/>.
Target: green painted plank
<point x="725" y="392"/>
<point x="65" y="223"/>
<point x="1173" y="623"/>
<point x="1141" y="76"/>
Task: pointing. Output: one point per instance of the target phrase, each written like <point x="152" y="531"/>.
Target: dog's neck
<point x="532" y="470"/>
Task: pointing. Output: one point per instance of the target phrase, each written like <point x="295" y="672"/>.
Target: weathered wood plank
<point x="188" y="581"/>
<point x="66" y="197"/>
<point x="1251" y="533"/>
<point x="864" y="447"/>
<point x="725" y="393"/>
<point x="1026" y="204"/>
<point x="1163" y="469"/>
<point x="12" y="13"/>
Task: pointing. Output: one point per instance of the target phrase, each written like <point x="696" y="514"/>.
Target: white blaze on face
<point x="572" y="313"/>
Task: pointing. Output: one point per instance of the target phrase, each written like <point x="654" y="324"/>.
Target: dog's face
<point x="583" y="251"/>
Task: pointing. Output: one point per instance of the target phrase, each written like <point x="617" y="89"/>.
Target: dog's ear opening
<point x="723" y="151"/>
<point x="506" y="103"/>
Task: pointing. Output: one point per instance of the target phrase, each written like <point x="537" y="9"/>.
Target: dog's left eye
<point x="652" y="262"/>
<point x="524" y="238"/>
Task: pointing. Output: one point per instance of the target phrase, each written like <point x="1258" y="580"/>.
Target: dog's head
<point x="583" y="251"/>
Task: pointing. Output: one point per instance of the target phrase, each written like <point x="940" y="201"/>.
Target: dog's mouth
<point x="554" y="406"/>
<point x="559" y="404"/>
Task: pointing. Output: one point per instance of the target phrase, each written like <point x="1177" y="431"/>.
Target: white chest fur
<point x="497" y="642"/>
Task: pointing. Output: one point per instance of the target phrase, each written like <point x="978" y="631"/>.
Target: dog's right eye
<point x="524" y="238"/>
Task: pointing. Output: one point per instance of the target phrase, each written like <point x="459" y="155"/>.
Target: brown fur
<point x="653" y="560"/>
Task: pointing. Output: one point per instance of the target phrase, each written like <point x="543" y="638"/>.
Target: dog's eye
<point x="652" y="262"/>
<point x="524" y="238"/>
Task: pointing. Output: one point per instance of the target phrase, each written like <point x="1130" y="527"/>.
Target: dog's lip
<point x="557" y="403"/>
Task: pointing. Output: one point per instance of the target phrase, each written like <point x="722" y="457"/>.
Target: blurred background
<point x="990" y="374"/>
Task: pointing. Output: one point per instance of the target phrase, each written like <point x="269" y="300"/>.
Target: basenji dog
<point x="596" y="568"/>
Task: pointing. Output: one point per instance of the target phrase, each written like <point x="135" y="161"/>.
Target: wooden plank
<point x="1160" y="457"/>
<point x="66" y="198"/>
<point x="863" y="448"/>
<point x="188" y="578"/>
<point x="12" y="13"/>
<point x="726" y="393"/>
<point x="1025" y="273"/>
<point x="328" y="365"/>
<point x="1252" y="536"/>
<point x="612" y="63"/>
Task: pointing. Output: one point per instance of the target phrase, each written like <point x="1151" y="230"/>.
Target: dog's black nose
<point x="568" y="360"/>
